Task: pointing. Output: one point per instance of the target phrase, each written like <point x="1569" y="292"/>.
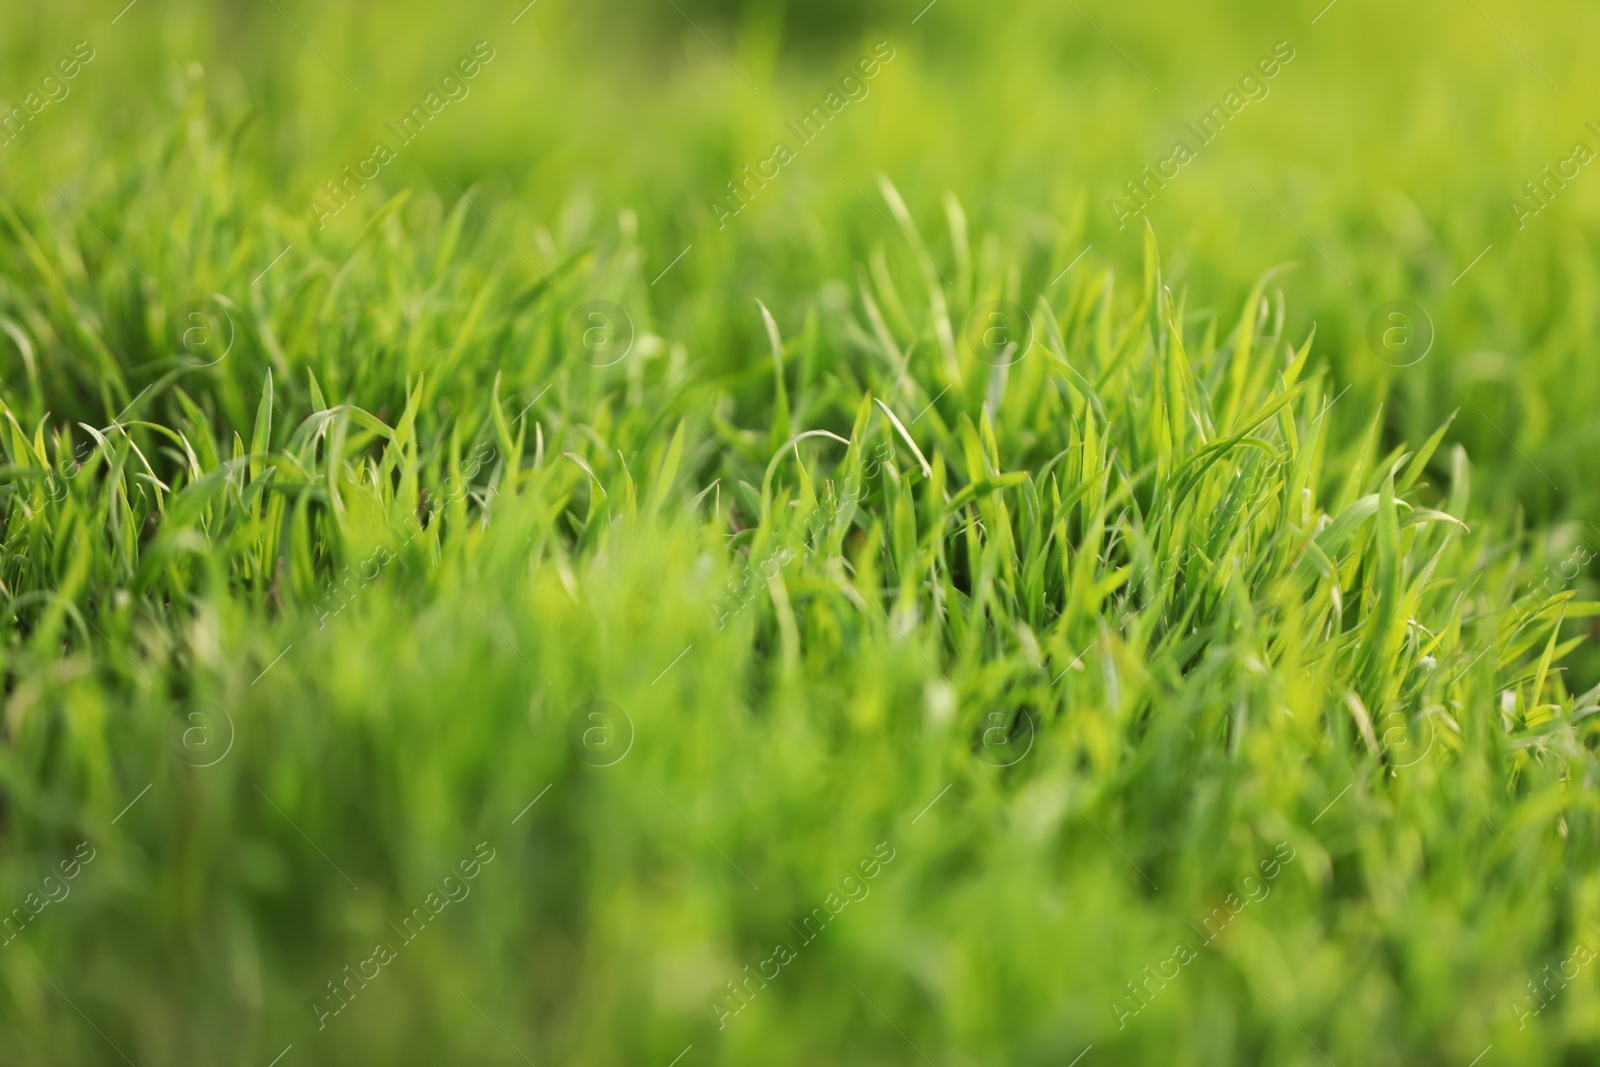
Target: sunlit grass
<point x="467" y="634"/>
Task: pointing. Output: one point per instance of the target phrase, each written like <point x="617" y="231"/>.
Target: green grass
<point x="1185" y="685"/>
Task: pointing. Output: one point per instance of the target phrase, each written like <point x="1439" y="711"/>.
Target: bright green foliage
<point x="1139" y="691"/>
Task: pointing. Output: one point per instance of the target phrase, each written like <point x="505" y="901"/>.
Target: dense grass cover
<point x="881" y="635"/>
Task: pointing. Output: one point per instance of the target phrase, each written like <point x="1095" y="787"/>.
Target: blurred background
<point x="1382" y="162"/>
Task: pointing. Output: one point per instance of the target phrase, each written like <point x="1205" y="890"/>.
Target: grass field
<point x="700" y="533"/>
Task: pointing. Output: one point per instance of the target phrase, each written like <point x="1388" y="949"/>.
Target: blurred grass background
<point x="1391" y="145"/>
<point x="1392" y="142"/>
<point x="425" y="716"/>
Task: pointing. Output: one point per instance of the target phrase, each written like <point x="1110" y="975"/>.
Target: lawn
<point x="700" y="533"/>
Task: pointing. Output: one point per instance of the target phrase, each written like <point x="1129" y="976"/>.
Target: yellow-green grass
<point x="1183" y="684"/>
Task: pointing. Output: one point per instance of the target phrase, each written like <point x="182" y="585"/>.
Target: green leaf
<point x="261" y="437"/>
